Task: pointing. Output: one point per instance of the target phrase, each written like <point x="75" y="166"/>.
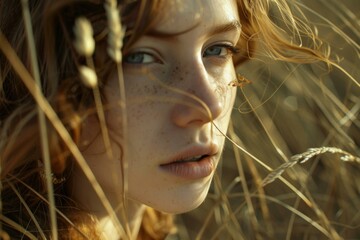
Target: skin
<point x="163" y="123"/>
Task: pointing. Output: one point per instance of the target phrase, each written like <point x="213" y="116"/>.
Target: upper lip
<point x="194" y="151"/>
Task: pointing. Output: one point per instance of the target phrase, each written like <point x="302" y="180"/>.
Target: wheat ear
<point x="115" y="37"/>
<point x="305" y="156"/>
<point x="85" y="45"/>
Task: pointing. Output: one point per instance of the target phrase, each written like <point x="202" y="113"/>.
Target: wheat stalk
<point x="28" y="210"/>
<point x="304" y="157"/>
<point x="85" y="45"/>
<point x="116" y="31"/>
<point x="41" y="117"/>
<point x="115" y="37"/>
<point x="50" y="113"/>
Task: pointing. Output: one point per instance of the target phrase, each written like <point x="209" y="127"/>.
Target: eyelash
<point x="231" y="50"/>
<point x="140" y="53"/>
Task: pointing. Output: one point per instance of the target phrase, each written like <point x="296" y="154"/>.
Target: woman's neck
<point x="130" y="220"/>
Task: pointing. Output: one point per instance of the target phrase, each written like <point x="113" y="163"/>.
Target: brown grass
<point x="299" y="132"/>
<point x="291" y="166"/>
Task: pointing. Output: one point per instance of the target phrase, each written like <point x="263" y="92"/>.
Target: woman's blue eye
<point x="139" y="58"/>
<point x="219" y="50"/>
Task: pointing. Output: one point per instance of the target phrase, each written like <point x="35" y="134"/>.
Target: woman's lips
<point x="192" y="170"/>
<point x="198" y="163"/>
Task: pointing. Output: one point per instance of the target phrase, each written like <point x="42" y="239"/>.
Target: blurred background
<point x="287" y="109"/>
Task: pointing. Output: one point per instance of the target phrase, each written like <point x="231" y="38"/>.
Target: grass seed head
<point x="84" y="40"/>
<point x="88" y="77"/>
<point x="116" y="31"/>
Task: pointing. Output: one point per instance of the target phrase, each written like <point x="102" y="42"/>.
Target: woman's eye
<point x="220" y="51"/>
<point x="139" y="58"/>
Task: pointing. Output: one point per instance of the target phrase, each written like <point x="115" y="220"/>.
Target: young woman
<point x="151" y="130"/>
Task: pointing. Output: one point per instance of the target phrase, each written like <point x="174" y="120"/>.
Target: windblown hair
<point x="23" y="187"/>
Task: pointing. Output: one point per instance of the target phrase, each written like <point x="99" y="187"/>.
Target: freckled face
<point x="176" y="89"/>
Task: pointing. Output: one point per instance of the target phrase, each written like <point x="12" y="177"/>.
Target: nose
<point x="200" y="101"/>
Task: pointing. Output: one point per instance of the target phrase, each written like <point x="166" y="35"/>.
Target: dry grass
<point x="298" y="131"/>
<point x="291" y="166"/>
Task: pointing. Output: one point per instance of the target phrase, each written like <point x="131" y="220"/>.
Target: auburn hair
<point x="20" y="147"/>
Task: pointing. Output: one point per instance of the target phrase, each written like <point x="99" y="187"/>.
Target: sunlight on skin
<point x="197" y="60"/>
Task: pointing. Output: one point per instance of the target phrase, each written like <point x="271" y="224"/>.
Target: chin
<point x="180" y="204"/>
<point x="183" y="208"/>
<point x="186" y="209"/>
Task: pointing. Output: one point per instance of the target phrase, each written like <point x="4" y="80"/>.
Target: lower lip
<point x="191" y="170"/>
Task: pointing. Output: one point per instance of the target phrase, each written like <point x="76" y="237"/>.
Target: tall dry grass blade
<point x="263" y="101"/>
<point x="17" y="227"/>
<point x="225" y="202"/>
<point x="56" y="209"/>
<point x="254" y="221"/>
<point x="262" y="201"/>
<point x="264" y="165"/>
<point x="340" y="33"/>
<point x="323" y="218"/>
<point x="298" y="213"/>
<point x="207" y="220"/>
<point x="277" y="173"/>
<point x="305" y="156"/>
<point x="328" y="230"/>
<point x="124" y="125"/>
<point x="312" y="152"/>
<point x="292" y="221"/>
<point x="265" y="118"/>
<point x="102" y="121"/>
<point x="347" y="17"/>
<point x="115" y="37"/>
<point x="85" y="45"/>
<point x="291" y="224"/>
<point x="219" y="200"/>
<point x="33" y="218"/>
<point x="41" y="117"/>
<point x="12" y="141"/>
<point x="116" y="31"/>
<point x="205" y="224"/>
<point x="59" y="127"/>
<point x="349" y="115"/>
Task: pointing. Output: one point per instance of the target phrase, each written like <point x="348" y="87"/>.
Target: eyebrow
<point x="231" y="26"/>
<point x="227" y="27"/>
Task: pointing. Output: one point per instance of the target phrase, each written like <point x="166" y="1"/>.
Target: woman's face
<point x="177" y="89"/>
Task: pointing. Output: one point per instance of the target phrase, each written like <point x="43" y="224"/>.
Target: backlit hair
<point x="53" y="21"/>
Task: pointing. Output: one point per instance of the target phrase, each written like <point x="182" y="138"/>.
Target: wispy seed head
<point x="88" y="77"/>
<point x="116" y="31"/>
<point x="84" y="40"/>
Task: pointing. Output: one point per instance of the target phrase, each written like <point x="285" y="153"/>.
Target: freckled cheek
<point x="144" y="110"/>
<point x="224" y="73"/>
<point x="146" y="82"/>
<point x="222" y="77"/>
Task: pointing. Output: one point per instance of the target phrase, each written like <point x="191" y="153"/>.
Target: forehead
<point x="181" y="15"/>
